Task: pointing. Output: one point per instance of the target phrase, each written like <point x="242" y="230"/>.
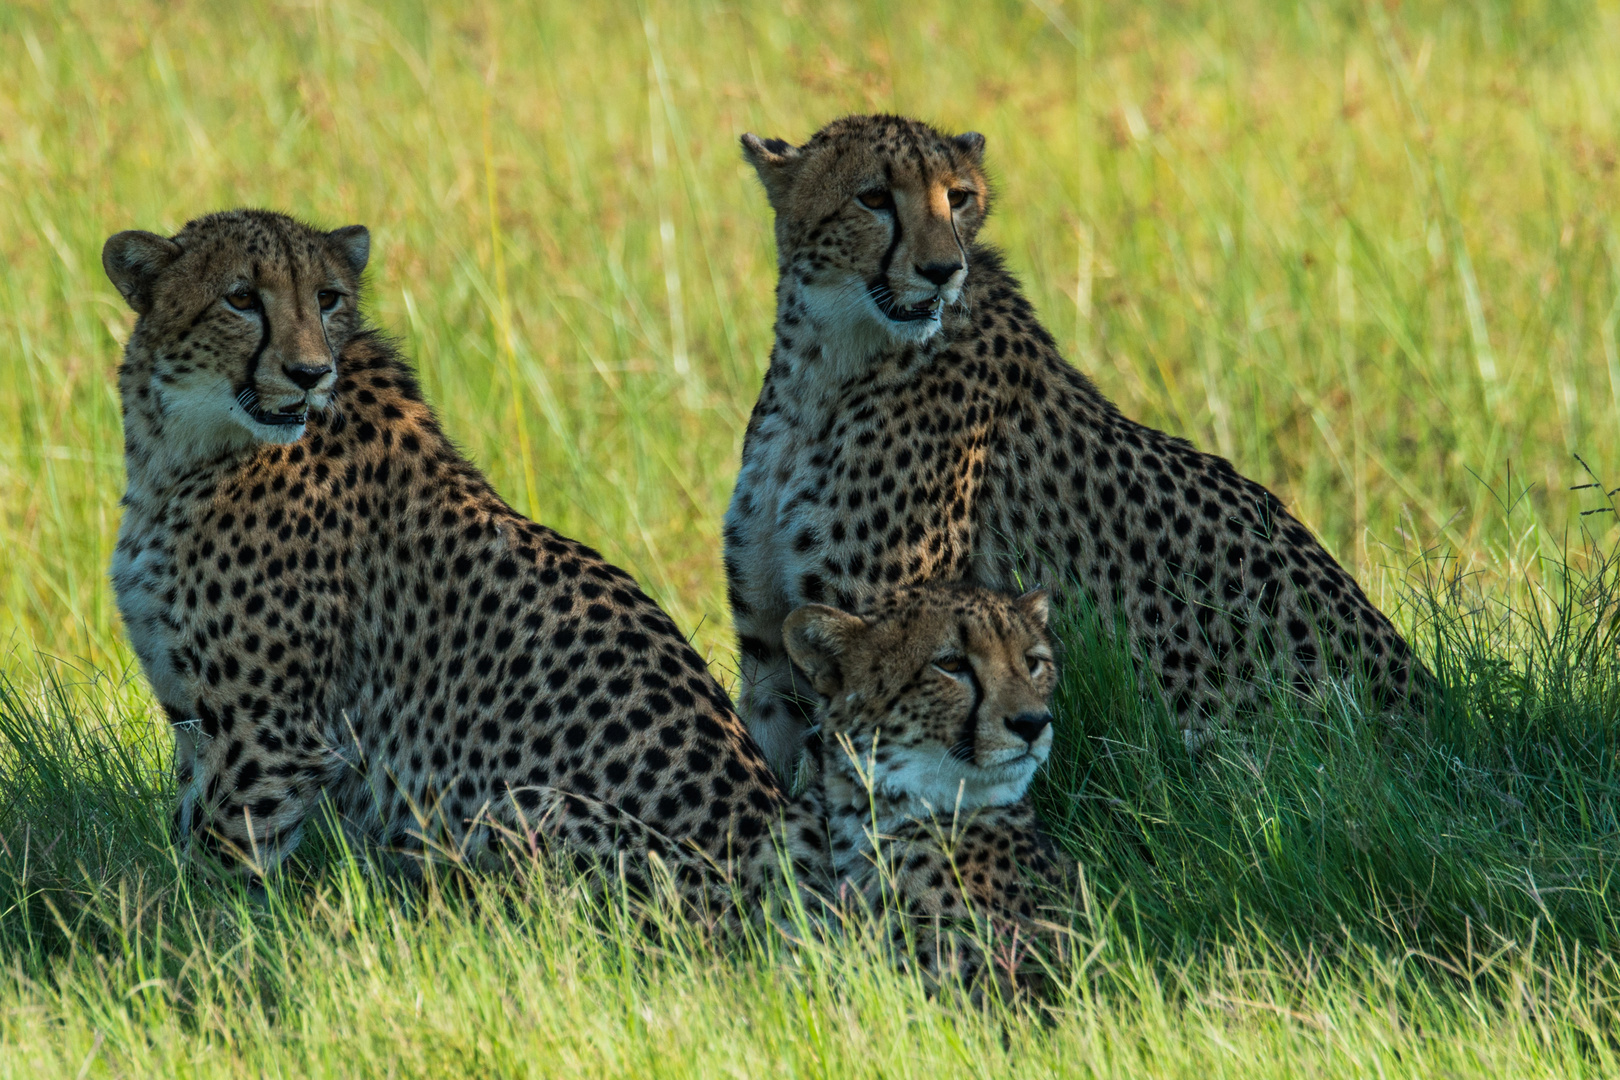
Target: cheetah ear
<point x="1037" y="605"/>
<point x="132" y="259"/>
<point x="777" y="163"/>
<point x="817" y="638"/>
<point x="353" y="242"/>
<point x="971" y="143"/>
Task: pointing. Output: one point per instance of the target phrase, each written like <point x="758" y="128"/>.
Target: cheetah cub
<point x="934" y="722"/>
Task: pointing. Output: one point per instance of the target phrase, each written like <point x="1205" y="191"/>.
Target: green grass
<point x="1371" y="253"/>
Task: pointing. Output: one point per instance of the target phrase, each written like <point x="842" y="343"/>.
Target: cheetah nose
<point x="304" y="376"/>
<point x="1028" y="726"/>
<point x="939" y="273"/>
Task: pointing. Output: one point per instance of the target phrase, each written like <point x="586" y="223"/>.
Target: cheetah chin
<point x="940" y="783"/>
<point x="295" y="414"/>
<point x="857" y="320"/>
<point x="884" y="300"/>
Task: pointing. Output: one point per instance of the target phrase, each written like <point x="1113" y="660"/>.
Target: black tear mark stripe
<point x="970" y="736"/>
<point x="331" y="354"/>
<point x="960" y="250"/>
<point x="264" y="343"/>
<point x="894" y="217"/>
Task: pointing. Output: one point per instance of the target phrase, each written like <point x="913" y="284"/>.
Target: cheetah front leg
<point x="188" y="738"/>
<point x="243" y="802"/>
<point x="953" y="928"/>
<point x="598" y="833"/>
<point x="776" y="703"/>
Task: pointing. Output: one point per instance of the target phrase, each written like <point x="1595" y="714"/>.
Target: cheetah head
<point x="940" y="691"/>
<point x="875" y="215"/>
<point x="242" y="316"/>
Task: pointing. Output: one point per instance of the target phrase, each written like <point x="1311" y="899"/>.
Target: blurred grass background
<point x="1369" y="251"/>
<point x="1374" y="258"/>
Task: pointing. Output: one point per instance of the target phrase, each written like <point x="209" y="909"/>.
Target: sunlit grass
<point x="1372" y="254"/>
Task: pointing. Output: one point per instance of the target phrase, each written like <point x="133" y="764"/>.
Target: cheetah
<point x="934" y="720"/>
<point x="329" y="600"/>
<point x="917" y="422"/>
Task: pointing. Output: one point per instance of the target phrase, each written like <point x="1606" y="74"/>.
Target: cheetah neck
<point x="164" y="449"/>
<point x="828" y="341"/>
<point x="857" y="810"/>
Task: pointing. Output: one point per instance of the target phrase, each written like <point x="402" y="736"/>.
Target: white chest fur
<point x="143" y="575"/>
<point x="857" y="816"/>
<point x="774" y="502"/>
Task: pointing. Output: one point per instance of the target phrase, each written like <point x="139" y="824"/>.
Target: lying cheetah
<point x="918" y="423"/>
<point x="328" y="598"/>
<point x="934" y="721"/>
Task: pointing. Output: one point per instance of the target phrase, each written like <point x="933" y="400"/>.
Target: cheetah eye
<point x="1036" y="662"/>
<point x="242" y="299"/>
<point x="952" y="665"/>
<point x="328" y="299"/>
<point x="876" y="199"/>
<point x="959" y="197"/>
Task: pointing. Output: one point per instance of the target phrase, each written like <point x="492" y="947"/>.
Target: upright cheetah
<point x="934" y="720"/>
<point x="917" y="423"/>
<point x="327" y="597"/>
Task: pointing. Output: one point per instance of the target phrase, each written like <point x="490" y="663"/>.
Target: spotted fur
<point x="934" y="721"/>
<point x="917" y="423"/>
<point x="328" y="599"/>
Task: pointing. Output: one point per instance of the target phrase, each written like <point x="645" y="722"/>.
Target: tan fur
<point x="935" y="720"/>
<point x="343" y="607"/>
<point x="962" y="447"/>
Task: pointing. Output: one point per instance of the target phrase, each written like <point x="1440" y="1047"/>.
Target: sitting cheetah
<point x="328" y="598"/>
<point x="918" y="423"/>
<point x="934" y="721"/>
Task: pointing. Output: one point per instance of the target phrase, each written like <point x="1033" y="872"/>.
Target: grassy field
<point x="1369" y="252"/>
